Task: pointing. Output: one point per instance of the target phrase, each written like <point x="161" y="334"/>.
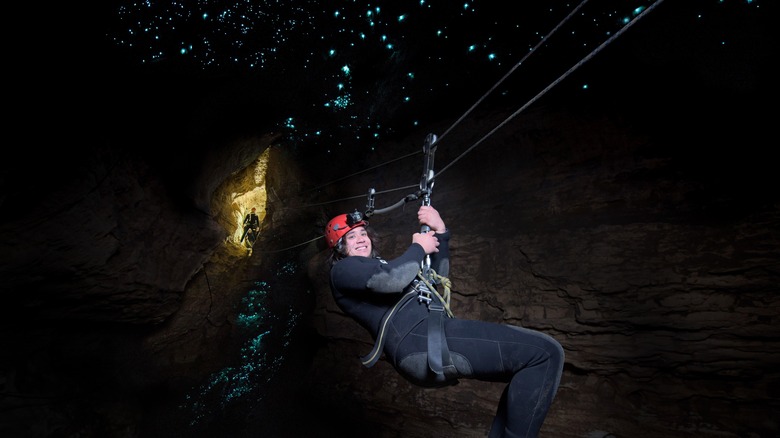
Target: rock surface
<point x="130" y="312"/>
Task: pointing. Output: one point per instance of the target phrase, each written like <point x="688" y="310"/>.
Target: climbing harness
<point x="423" y="287"/>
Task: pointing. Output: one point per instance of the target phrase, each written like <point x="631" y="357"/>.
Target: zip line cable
<point x="508" y="119"/>
<point x="361" y="171"/>
<point x="512" y="70"/>
<point x="290" y="247"/>
<point x="593" y="53"/>
<point x="358" y="196"/>
<point x="348" y="198"/>
<point x="554" y="83"/>
<point x="484" y="96"/>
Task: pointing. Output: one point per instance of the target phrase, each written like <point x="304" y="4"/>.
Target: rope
<point x="444" y="281"/>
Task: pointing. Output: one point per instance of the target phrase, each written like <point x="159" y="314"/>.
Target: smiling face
<point x="357" y="243"/>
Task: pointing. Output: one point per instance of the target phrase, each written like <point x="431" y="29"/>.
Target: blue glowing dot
<point x="491" y="56"/>
<point x="342" y="101"/>
<point x="401" y="18"/>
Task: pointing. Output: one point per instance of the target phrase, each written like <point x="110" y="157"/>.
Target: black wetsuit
<point x="530" y="361"/>
<point x="251" y="222"/>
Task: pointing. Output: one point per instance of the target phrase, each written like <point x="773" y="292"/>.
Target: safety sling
<point x="439" y="360"/>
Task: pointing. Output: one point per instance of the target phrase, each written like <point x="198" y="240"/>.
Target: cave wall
<point x="651" y="258"/>
<point x="580" y="226"/>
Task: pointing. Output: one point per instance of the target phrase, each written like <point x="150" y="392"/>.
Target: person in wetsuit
<point x="426" y="345"/>
<point x="251" y="222"/>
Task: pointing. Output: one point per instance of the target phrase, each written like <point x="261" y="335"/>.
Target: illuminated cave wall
<point x="252" y="181"/>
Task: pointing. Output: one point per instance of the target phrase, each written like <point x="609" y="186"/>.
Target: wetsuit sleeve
<point x="362" y="274"/>
<point x="440" y="261"/>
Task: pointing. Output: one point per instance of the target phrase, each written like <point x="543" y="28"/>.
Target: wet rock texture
<point x="651" y="258"/>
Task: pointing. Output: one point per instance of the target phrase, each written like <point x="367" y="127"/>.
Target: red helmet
<point x="341" y="225"/>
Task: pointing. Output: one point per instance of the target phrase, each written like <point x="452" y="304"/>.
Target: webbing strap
<point x="438" y="351"/>
<point x="439" y="360"/>
<point x="372" y="357"/>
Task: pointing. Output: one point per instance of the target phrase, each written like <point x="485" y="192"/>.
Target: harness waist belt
<point x="371" y="358"/>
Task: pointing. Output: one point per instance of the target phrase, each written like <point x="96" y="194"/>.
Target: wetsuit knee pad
<point x="414" y="368"/>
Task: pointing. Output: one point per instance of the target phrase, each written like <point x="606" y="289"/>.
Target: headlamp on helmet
<point x="354" y="218"/>
<point x="341" y="225"/>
